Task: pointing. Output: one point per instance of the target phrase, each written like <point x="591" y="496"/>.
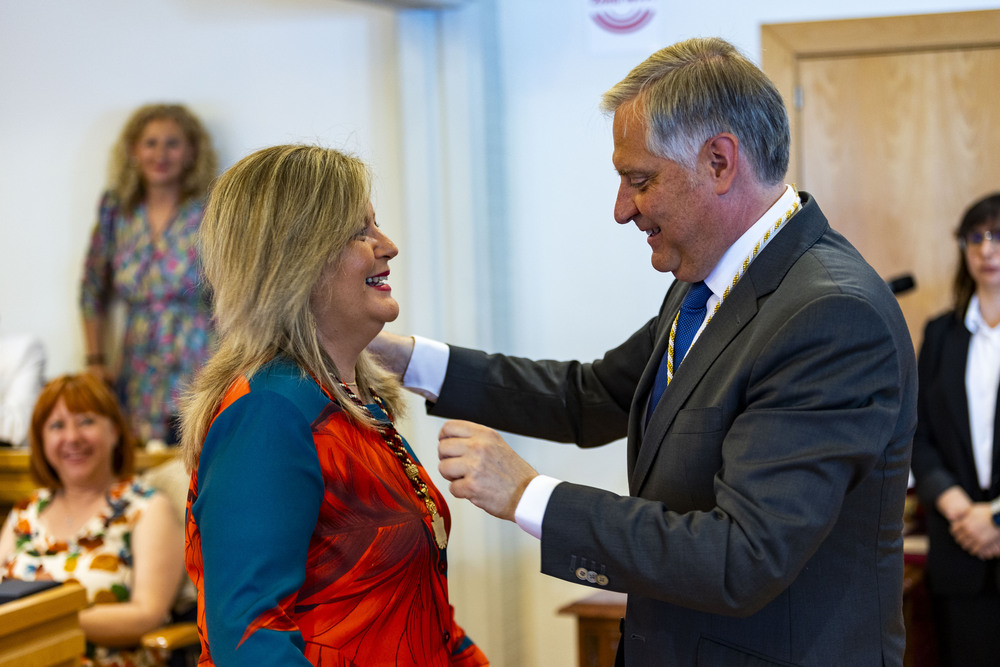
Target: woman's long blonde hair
<point x="123" y="174"/>
<point x="272" y="223"/>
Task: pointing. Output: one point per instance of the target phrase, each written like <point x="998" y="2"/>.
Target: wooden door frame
<point x="783" y="45"/>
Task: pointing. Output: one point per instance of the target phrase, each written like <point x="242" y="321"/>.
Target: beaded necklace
<point x="394" y="442"/>
<point x="768" y="235"/>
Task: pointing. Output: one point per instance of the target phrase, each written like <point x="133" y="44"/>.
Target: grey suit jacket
<point x="764" y="520"/>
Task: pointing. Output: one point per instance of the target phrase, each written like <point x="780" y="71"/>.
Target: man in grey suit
<point x="767" y="466"/>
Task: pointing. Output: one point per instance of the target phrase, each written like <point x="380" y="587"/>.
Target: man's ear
<point x="723" y="152"/>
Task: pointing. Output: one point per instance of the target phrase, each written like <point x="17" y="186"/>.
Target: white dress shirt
<point x="982" y="376"/>
<point x="429" y="363"/>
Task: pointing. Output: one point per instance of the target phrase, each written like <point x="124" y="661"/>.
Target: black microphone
<point x="901" y="284"/>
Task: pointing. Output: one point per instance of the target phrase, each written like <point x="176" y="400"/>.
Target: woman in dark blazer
<point x="955" y="449"/>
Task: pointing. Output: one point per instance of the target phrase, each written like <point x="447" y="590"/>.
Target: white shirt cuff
<point x="530" y="509"/>
<point x="428" y="365"/>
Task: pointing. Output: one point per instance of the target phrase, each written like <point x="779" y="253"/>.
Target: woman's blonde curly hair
<point x="123" y="174"/>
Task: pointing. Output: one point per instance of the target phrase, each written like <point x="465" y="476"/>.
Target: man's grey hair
<point x="692" y="91"/>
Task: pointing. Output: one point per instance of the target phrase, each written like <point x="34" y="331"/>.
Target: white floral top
<point x="99" y="556"/>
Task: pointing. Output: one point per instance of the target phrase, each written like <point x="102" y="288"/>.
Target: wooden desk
<point x="43" y="629"/>
<point x="16" y="482"/>
<point x="598" y="632"/>
<point x="921" y="642"/>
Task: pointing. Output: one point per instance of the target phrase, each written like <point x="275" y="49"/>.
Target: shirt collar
<point x="974" y="321"/>
<point x="722" y="275"/>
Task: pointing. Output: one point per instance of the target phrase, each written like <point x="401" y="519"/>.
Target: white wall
<point x="570" y="282"/>
<point x="258" y="73"/>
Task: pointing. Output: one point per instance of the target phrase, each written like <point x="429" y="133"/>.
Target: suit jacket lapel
<point x="735" y="313"/>
<point x="995" y="481"/>
<point x="762" y="278"/>
<point x="954" y="358"/>
<point x="640" y="400"/>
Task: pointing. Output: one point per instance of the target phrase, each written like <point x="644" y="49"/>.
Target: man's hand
<point x="482" y="467"/>
<point x="393" y="352"/>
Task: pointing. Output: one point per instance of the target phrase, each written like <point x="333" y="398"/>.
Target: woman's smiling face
<point x="79" y="446"/>
<point x="352" y="299"/>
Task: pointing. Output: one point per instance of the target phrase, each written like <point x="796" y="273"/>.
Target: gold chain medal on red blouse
<point x="413" y="472"/>
<point x="394" y="442"/>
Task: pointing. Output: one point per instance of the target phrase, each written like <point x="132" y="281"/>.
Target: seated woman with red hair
<point x="91" y="522"/>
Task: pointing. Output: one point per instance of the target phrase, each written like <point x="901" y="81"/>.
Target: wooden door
<point x="895" y="132"/>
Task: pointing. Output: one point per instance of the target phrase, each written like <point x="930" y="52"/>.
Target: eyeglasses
<point x="976" y="239"/>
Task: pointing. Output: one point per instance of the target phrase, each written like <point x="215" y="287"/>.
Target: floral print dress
<point x="99" y="557"/>
<point x="168" y="315"/>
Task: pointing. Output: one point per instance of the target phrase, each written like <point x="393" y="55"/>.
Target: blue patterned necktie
<point x="691" y="316"/>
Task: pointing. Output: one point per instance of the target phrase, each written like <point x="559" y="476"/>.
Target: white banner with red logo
<point x="624" y="25"/>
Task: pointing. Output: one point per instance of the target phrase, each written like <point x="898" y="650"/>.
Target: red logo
<point x="621" y="17"/>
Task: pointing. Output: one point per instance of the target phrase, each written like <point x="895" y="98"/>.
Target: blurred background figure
<point x="91" y="522"/>
<point x="313" y="533"/>
<point x="955" y="448"/>
<point x="143" y="253"/>
<point x="22" y="372"/>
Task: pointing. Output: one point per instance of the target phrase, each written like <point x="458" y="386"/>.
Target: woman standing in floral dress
<point x="143" y="253"/>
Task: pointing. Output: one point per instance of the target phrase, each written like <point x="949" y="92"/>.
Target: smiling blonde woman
<point x="314" y="536"/>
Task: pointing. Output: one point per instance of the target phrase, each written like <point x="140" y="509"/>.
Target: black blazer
<point x="942" y="453"/>
<point x="765" y="517"/>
